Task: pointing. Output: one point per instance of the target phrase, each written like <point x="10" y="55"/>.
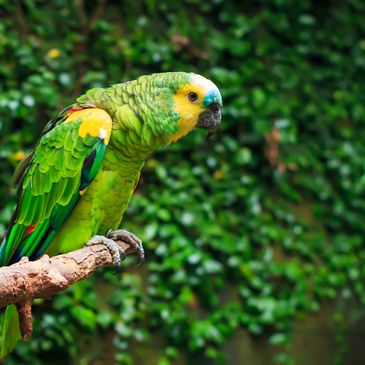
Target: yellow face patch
<point x="94" y="121"/>
<point x="188" y="110"/>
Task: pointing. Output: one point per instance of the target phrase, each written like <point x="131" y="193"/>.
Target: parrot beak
<point x="210" y="118"/>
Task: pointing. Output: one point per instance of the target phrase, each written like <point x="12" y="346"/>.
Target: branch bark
<point x="26" y="280"/>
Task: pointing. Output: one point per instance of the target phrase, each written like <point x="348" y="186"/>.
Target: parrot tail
<point x="9" y="330"/>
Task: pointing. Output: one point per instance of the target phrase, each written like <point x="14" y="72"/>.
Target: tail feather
<point x="9" y="330"/>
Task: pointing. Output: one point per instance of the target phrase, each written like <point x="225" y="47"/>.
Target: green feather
<point x="70" y="188"/>
<point x="39" y="210"/>
<point x="9" y="330"/>
<point x="30" y="242"/>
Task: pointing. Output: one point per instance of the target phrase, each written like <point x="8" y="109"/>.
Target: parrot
<point x="75" y="185"/>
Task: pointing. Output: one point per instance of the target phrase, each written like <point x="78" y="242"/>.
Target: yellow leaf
<point x="19" y="155"/>
<point x="218" y="174"/>
<point x="54" y="53"/>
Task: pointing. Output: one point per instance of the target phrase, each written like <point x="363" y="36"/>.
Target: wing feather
<point x="63" y="162"/>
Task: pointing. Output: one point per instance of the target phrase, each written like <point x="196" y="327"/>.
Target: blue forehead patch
<point x="213" y="96"/>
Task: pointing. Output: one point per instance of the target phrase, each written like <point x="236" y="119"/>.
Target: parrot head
<point x="179" y="102"/>
<point x="197" y="104"/>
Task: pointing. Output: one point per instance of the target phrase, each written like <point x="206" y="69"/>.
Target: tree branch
<point x="26" y="280"/>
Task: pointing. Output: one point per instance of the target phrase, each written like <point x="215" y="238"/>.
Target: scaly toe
<point x="118" y="254"/>
<point x="129" y="238"/>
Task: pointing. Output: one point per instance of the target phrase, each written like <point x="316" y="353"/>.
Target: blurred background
<point x="255" y="239"/>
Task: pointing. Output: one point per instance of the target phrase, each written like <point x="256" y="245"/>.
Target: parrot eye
<point x="193" y="97"/>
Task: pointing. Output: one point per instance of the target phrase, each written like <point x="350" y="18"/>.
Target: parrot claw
<point x="116" y="251"/>
<point x="129" y="238"/>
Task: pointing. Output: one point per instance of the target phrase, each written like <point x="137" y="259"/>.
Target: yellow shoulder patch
<point x="94" y="121"/>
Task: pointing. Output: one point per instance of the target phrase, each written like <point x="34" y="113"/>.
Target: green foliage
<point x="253" y="229"/>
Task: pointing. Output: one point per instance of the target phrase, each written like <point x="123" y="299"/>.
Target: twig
<point x="25" y="318"/>
<point x="21" y="20"/>
<point x="272" y="152"/>
<point x="26" y="280"/>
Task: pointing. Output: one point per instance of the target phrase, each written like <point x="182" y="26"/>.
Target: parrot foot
<point x="131" y="239"/>
<point x="116" y="251"/>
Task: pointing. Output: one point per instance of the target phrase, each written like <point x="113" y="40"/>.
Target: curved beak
<point x="210" y="118"/>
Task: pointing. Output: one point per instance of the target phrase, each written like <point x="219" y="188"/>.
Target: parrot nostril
<point x="214" y="107"/>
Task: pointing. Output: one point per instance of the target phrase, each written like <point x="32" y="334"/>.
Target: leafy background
<point x="250" y="237"/>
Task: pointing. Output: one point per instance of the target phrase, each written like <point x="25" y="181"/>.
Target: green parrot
<point x="77" y="182"/>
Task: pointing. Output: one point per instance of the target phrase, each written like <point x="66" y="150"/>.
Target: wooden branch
<point x="26" y="280"/>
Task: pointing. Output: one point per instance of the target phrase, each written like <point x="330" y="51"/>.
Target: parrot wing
<point x="52" y="179"/>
